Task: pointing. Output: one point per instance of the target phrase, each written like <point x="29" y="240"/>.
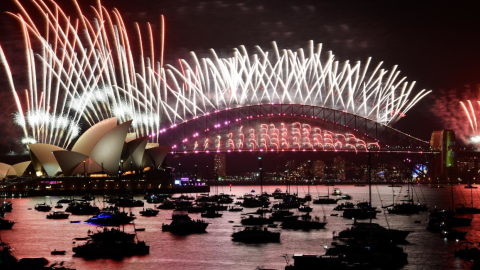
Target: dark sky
<point x="435" y="43"/>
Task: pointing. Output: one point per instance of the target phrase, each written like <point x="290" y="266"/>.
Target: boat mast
<point x="370" y="192"/>
<point x="369" y="182"/>
<point x="261" y="175"/>
<point x="471" y="187"/>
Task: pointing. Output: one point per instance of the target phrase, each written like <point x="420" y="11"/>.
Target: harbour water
<point x="35" y="236"/>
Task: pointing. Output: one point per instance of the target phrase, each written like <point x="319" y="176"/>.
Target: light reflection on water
<point x="35" y="236"/>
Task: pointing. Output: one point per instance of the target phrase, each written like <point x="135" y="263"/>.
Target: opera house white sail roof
<point x="100" y="149"/>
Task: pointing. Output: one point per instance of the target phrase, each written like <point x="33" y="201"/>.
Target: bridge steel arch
<point x="388" y="139"/>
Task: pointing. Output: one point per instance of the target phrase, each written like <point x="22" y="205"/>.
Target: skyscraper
<point x="339" y="168"/>
<point x="219" y="165"/>
<point x="318" y="169"/>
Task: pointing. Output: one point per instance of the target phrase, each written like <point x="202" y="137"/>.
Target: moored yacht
<point x="111" y="243"/>
<point x="306" y="222"/>
<point x="149" y="212"/>
<point x="111" y="218"/>
<point x="364" y="231"/>
<point x="256" y="235"/>
<point x="6" y="224"/>
<point x="58" y="215"/>
<point x="183" y="224"/>
<point x="43" y="207"/>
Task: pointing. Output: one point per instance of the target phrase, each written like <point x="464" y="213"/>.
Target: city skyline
<point x="358" y="52"/>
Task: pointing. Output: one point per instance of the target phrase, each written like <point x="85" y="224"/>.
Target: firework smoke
<point x="459" y="111"/>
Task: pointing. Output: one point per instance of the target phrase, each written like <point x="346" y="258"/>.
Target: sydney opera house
<point x="105" y="157"/>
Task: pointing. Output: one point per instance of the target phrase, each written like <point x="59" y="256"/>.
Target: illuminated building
<point x="219" y="165"/>
<point x="339" y="168"/>
<point x="318" y="169"/>
<point x="445" y="142"/>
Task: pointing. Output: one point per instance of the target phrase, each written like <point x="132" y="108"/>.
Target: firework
<point x="289" y="77"/>
<point x="85" y="72"/>
<point x="472" y="119"/>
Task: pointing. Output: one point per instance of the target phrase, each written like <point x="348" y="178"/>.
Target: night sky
<point x="435" y="43"/>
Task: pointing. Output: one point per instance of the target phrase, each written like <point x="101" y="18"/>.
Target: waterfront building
<point x="318" y="169"/>
<point x="219" y="165"/>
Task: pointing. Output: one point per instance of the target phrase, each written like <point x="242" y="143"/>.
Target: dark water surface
<point x="36" y="236"/>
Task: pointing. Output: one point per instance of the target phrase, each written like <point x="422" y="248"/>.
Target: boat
<point x="251" y="202"/>
<point x="7" y="207"/>
<point x="263" y="210"/>
<point x="196" y="209"/>
<point x="441" y="220"/>
<point x="280" y="215"/>
<point x="404" y="209"/>
<point x="251" y="220"/>
<point x="306" y="222"/>
<point x="305" y="208"/>
<point x="470" y="186"/>
<point x="75" y="221"/>
<point x="336" y="192"/>
<point x="111" y="218"/>
<point x="127" y="202"/>
<point x="183" y="224"/>
<point x="58" y="215"/>
<point x="63" y="200"/>
<point x="167" y="205"/>
<point x="58" y="206"/>
<point x="325" y="200"/>
<point x="467" y="253"/>
<point x="286" y="205"/>
<point x="334" y="215"/>
<point x="43" y="207"/>
<point x="313" y="261"/>
<point x="82" y="208"/>
<point x="6" y="224"/>
<point x="156" y="198"/>
<point x="211" y="213"/>
<point x="149" y="212"/>
<point x="364" y="231"/>
<point x="463" y="209"/>
<point x="88" y="197"/>
<point x="140" y="229"/>
<point x="235" y="209"/>
<point x="369" y="254"/>
<point x="58" y="252"/>
<point x="346" y="197"/>
<point x="185" y="197"/>
<point x="256" y="234"/>
<point x="359" y="213"/>
<point x="111" y="243"/>
<point x="451" y="234"/>
<point x="112" y="234"/>
<point x="343" y="206"/>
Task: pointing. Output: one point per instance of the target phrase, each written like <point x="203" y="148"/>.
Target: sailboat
<point x="407" y="207"/>
<point x="325" y="199"/>
<point x="445" y="221"/>
<point x="463" y="209"/>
